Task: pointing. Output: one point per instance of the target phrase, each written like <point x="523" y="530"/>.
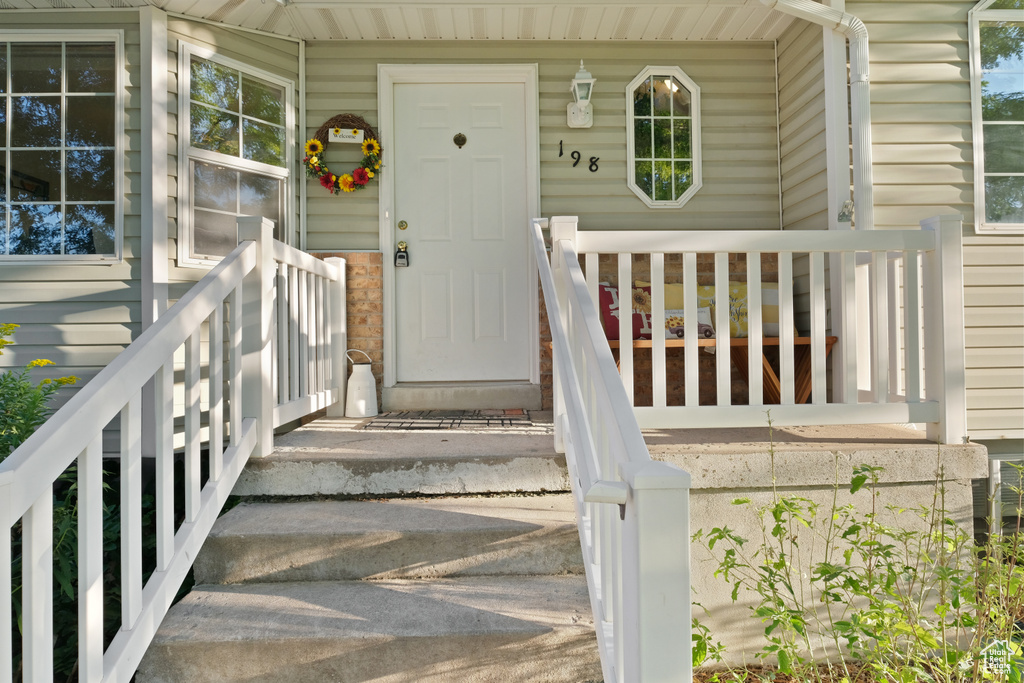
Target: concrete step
<point x="334" y="457"/>
<point x="399" y="538"/>
<point x="536" y="629"/>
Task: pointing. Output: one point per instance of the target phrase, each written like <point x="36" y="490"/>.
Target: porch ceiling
<point x="654" y="20"/>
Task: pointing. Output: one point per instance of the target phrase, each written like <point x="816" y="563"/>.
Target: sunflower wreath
<point x="362" y="174"/>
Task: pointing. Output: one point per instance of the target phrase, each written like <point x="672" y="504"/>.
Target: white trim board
<point x="388" y="75"/>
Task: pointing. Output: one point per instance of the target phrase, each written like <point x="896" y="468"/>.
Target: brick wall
<point x="364" y="280"/>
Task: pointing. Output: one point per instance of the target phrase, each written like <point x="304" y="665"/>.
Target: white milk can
<point x="361" y="398"/>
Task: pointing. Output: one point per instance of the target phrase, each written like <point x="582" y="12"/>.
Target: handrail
<point x="36" y="465"/>
<point x="637" y="565"/>
<point x="231" y="311"/>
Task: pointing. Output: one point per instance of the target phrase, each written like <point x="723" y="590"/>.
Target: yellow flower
<point x="337" y="131"/>
<point x="369" y="173"/>
<point x="641" y="301"/>
<point x="355" y="131"/>
<point x="347" y="183"/>
<point x="371" y="147"/>
<point x="376" y="166"/>
<point x="40" y="362"/>
<point x="314" y="160"/>
<point x="313" y="147"/>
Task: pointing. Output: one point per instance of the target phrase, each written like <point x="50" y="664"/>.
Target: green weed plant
<point x="903" y="597"/>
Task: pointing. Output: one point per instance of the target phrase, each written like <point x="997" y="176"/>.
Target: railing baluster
<point x="217" y="391"/>
<point x="592" y="261"/>
<point x="303" y="335"/>
<point x="90" y="561"/>
<point x="895" y="345"/>
<point x="658" y="364"/>
<point x="723" y="357"/>
<point x="755" y="332"/>
<point x="37" y="589"/>
<point x="786" y="376"/>
<point x="164" y="425"/>
<point x="848" y="341"/>
<point x="817" y="264"/>
<point x="294" y="331"/>
<point x="912" y="324"/>
<point x="691" y="361"/>
<point x="318" y="336"/>
<point x="131" y="512"/>
<point x="235" y="366"/>
<point x="626" y="323"/>
<point x="880" y="326"/>
<point x="311" y="341"/>
<point x="192" y="435"/>
<point x="283" y="329"/>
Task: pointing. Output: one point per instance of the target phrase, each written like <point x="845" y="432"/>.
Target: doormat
<point x="452" y="419"/>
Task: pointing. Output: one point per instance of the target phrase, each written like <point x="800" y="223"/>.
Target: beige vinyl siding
<point x="78" y="315"/>
<point x="738" y="120"/>
<point x="924" y="166"/>
<point x="274" y="55"/>
<point x="802" y="128"/>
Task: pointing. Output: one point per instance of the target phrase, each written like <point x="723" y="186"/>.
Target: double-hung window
<point x="997" y="89"/>
<point x="234" y="156"/>
<point x="61" y="146"/>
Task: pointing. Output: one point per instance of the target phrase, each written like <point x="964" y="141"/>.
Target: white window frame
<point x="696" y="164"/>
<point x="186" y="153"/>
<point x="115" y="36"/>
<point x="977" y="15"/>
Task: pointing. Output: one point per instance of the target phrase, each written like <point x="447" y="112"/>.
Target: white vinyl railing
<point x="632" y="512"/>
<point x="896" y="313"/>
<point x="234" y="303"/>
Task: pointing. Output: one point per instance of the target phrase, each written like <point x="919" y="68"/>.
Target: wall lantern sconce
<point x="579" y="113"/>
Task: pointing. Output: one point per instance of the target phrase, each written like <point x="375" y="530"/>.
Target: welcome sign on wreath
<point x="344" y="128"/>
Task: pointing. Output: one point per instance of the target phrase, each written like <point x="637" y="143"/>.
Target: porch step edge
<point x="400" y="538"/>
<point x="472" y="629"/>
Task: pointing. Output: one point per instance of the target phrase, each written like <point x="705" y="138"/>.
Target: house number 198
<point x="577" y="157"/>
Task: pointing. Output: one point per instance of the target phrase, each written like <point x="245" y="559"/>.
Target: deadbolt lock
<point x="402" y="225"/>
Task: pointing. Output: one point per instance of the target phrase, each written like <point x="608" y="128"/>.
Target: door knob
<point x="402" y="225"/>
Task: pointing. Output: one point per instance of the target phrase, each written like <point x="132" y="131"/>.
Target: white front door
<point x="462" y="306"/>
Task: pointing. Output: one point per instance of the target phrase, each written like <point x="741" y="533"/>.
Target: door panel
<point x="466" y="289"/>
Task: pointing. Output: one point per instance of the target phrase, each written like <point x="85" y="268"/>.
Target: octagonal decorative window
<point x="663" y="136"/>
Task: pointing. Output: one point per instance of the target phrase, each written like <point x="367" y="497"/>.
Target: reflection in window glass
<point x="235" y="114"/>
<point x="35" y="67"/>
<point x="237" y="159"/>
<point x="90" y="67"/>
<point x="1002" y="119"/>
<point x="57" y="177"/>
<point x="663" y="137"/>
<point x="219" y="196"/>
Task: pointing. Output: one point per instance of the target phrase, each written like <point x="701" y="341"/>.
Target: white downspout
<point x="860" y="97"/>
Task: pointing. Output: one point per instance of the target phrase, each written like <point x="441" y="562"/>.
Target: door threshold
<point x="461" y="396"/>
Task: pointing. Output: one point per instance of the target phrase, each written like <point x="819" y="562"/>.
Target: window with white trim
<point x="61" y="146"/>
<point x="997" y="90"/>
<point x="663" y="136"/>
<point x="235" y="157"/>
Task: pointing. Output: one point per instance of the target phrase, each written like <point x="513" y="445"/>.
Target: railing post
<point x="944" y="328"/>
<point x="656" y="574"/>
<point x="560" y="228"/>
<point x="339" y="338"/>
<point x="257" y="326"/>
